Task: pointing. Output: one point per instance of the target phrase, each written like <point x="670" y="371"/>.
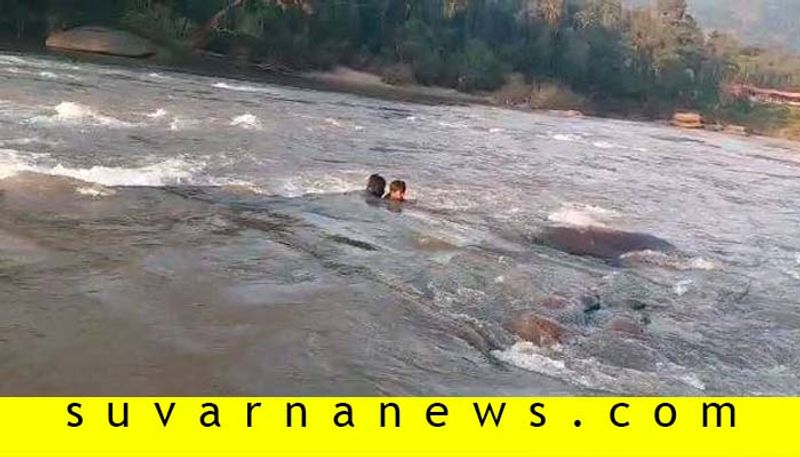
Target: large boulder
<point x="688" y="120"/>
<point x="602" y="243"/>
<point x="101" y="40"/>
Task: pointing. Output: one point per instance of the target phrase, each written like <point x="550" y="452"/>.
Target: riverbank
<point x="735" y="118"/>
<point x="218" y="65"/>
<point x="745" y="119"/>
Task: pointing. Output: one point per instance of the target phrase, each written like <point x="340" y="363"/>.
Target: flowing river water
<point x="164" y="233"/>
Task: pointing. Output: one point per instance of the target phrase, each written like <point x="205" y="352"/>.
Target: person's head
<point x="397" y="191"/>
<point x="376" y="186"/>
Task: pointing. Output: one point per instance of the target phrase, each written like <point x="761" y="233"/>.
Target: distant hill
<point x="759" y="22"/>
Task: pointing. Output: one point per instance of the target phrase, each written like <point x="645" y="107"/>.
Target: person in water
<point x="376" y="186"/>
<point x="397" y="191"/>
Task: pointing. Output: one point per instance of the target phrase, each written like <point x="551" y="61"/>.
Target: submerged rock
<point x="539" y="330"/>
<point x="625" y="326"/>
<point x="101" y="40"/>
<point x="555" y="302"/>
<point x="430" y="244"/>
<point x="601" y="243"/>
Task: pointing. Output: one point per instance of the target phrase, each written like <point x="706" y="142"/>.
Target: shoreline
<point x="349" y="81"/>
<point x="212" y="65"/>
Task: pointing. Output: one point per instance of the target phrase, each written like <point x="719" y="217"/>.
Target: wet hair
<point x="397" y="186"/>
<point x="376" y="186"/>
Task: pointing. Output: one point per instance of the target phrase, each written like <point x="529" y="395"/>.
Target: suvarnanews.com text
<point x="383" y="414"/>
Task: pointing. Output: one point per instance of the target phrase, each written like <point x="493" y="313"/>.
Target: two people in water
<point x="376" y="187"/>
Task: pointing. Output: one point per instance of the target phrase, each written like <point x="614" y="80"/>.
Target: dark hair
<point x="397" y="185"/>
<point x="376" y="186"/>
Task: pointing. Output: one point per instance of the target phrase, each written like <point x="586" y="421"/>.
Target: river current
<point x="172" y="234"/>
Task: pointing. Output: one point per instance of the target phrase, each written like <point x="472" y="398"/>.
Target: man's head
<point x="397" y="191"/>
<point x="376" y="186"/>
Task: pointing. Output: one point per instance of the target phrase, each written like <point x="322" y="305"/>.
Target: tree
<point x="479" y="68"/>
<point x="550" y="12"/>
<point x="600" y="13"/>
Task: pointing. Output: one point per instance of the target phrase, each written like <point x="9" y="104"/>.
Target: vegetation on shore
<point x="592" y="55"/>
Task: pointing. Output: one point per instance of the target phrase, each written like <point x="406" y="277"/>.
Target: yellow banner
<point x="458" y="427"/>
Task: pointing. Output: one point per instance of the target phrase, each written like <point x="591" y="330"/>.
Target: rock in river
<point x="101" y="40"/>
<point x="600" y="242"/>
<point x="539" y="330"/>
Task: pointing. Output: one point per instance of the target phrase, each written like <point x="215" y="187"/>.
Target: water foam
<point x="241" y="88"/>
<point x="27" y="142"/>
<point x="158" y="76"/>
<point x="343" y="125"/>
<point x="94" y="191"/>
<point x="240" y="186"/>
<point x="309" y="184"/>
<point x="593" y="374"/>
<point x="12" y="60"/>
<point x="607" y="145"/>
<point x="77" y="114"/>
<point x="179" y="123"/>
<point x="674" y="262"/>
<point x="168" y="172"/>
<point x="682" y="287"/>
<point x="699" y="263"/>
<point x="159" y="113"/>
<point x="569" y="137"/>
<point x="10" y="163"/>
<point x="579" y="215"/>
<point x="247" y="121"/>
<point x="792" y="273"/>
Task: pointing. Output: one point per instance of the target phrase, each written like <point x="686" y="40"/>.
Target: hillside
<point x="759" y="22"/>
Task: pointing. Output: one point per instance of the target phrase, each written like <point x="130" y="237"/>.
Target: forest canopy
<point x="655" y="56"/>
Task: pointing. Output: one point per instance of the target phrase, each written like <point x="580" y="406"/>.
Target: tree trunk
<point x="213" y="24"/>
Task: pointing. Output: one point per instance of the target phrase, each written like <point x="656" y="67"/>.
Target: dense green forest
<point x="655" y="59"/>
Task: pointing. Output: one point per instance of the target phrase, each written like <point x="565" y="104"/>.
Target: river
<point x="173" y="234"/>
